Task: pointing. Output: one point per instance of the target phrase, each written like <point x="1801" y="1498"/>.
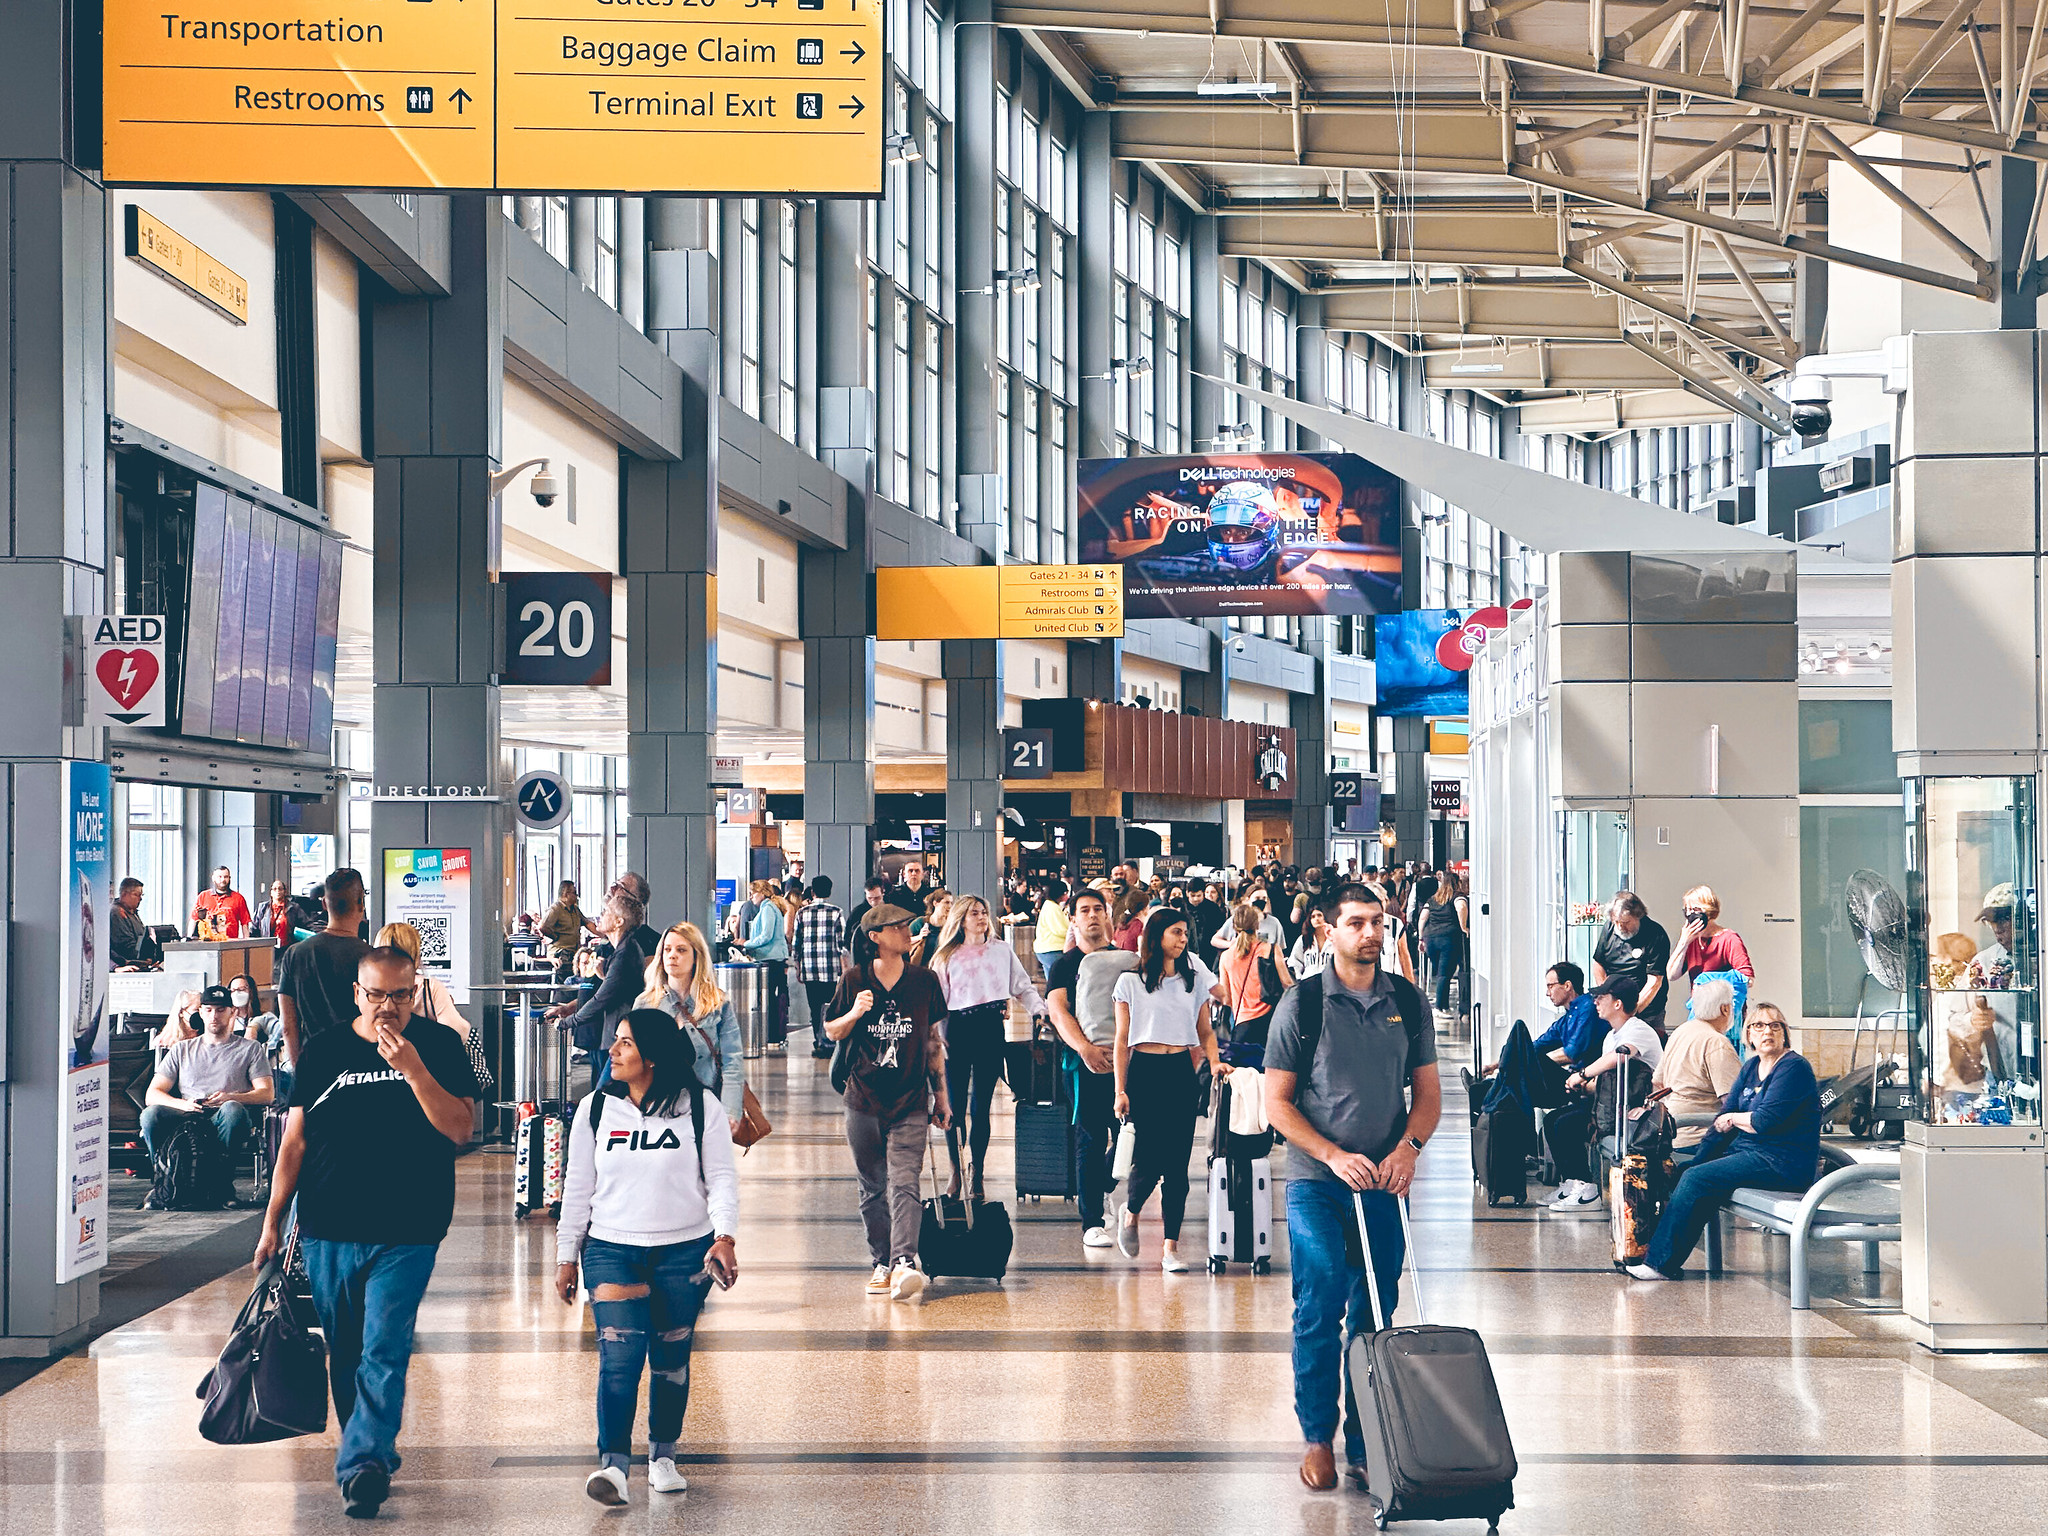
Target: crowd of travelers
<point x="1154" y="988"/>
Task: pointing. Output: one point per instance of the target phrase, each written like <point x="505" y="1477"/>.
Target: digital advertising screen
<point x="1413" y="675"/>
<point x="1209" y="535"/>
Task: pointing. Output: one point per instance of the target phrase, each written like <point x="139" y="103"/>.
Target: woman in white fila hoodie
<point x="649" y="1205"/>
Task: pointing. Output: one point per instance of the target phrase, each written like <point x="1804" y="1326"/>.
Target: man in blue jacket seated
<point x="1766" y="1137"/>
<point x="1573" y="1040"/>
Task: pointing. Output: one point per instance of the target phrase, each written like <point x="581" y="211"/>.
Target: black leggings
<point x="820" y="995"/>
<point x="974" y="1060"/>
<point x="1162" y="1090"/>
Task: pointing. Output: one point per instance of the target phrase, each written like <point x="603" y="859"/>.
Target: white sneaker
<point x="662" y="1476"/>
<point x="1644" y="1272"/>
<point x="607" y="1485"/>
<point x="1097" y="1237"/>
<point x="1173" y="1264"/>
<point x="878" y="1282"/>
<point x="1126" y="1232"/>
<point x="909" y="1280"/>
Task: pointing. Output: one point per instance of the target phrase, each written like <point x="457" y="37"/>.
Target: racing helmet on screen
<point x="1243" y="528"/>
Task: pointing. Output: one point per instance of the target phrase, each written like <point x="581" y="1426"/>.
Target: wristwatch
<point x="1414" y="1143"/>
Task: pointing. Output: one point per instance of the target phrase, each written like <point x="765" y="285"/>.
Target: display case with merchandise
<point x="1973" y="1003"/>
<point x="1594" y="864"/>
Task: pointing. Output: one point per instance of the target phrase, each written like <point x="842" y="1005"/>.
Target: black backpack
<point x="192" y="1172"/>
<point x="1309" y="1020"/>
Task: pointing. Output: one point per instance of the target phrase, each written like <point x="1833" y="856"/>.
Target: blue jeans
<point x="653" y="1329"/>
<point x="1442" y="952"/>
<point x="1698" y="1195"/>
<point x="1047" y="958"/>
<point x="368" y="1297"/>
<point x="1331" y="1303"/>
<point x="234" y="1124"/>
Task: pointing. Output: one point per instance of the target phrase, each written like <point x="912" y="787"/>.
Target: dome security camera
<point x="1237" y="645"/>
<point x="1812" y="411"/>
<point x="545" y="488"/>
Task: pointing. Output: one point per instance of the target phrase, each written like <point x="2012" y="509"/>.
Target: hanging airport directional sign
<point x="999" y="602"/>
<point x="776" y="97"/>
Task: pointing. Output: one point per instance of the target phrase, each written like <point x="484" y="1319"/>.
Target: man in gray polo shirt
<point x="1344" y="1049"/>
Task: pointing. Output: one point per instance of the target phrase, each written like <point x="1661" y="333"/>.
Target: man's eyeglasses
<point x="373" y="996"/>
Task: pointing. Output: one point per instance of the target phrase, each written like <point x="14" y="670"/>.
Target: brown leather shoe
<point x="1319" y="1469"/>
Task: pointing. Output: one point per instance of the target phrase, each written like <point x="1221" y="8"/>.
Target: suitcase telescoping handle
<point x="967" y="1176"/>
<point x="1381" y="1317"/>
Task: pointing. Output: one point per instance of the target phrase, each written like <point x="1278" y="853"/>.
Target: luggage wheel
<point x="1262" y="1266"/>
<point x="1216" y="1266"/>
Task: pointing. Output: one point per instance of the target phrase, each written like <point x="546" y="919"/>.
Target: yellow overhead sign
<point x="999" y="602"/>
<point x="161" y="248"/>
<point x="778" y="97"/>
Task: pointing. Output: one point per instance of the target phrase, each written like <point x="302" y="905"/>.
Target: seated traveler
<point x="1699" y="1065"/>
<point x="1573" y="1040"/>
<point x="1767" y="1137"/>
<point x="1568" y="1131"/>
<point x="216" y="1074"/>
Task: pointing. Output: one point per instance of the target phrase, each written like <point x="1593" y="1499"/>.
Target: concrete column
<point x="1095" y="670"/>
<point x="439" y="374"/>
<point x="1095" y="277"/>
<point x="671" y="547"/>
<point x="1309" y="714"/>
<point x="1205" y="350"/>
<point x="54" y="539"/>
<point x="1411" y="736"/>
<point x="974" y="222"/>
<point x="1810" y="285"/>
<point x="973" y="671"/>
<point x="839" y="653"/>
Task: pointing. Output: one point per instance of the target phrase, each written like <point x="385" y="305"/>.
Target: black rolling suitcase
<point x="967" y="1238"/>
<point x="1436" y="1439"/>
<point x="1500" y="1154"/>
<point x="1046" y="1143"/>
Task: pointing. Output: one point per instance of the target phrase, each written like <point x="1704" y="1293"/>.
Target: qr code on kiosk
<point x="433" y="939"/>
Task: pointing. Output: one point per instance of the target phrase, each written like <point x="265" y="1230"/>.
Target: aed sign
<point x="124" y="669"/>
<point x="558" y="629"/>
<point x="715" y="97"/>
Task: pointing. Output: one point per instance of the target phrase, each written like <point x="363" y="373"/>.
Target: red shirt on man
<point x="220" y="915"/>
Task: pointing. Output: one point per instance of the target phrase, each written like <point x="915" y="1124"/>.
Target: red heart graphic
<point x="126" y="675"/>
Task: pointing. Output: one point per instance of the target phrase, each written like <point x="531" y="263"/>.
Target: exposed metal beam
<point x="1678" y="212"/>
<point x="1787" y="103"/>
<point x="1475" y="309"/>
<point x="1700" y="384"/>
<point x="1658" y="304"/>
<point x="1457" y="143"/>
<point x="1912" y="210"/>
<point x="1068" y="66"/>
<point x="1756" y="294"/>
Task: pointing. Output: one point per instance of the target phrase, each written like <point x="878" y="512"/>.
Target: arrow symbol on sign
<point x="856" y="106"/>
<point x="855" y="53"/>
<point x="460" y="98"/>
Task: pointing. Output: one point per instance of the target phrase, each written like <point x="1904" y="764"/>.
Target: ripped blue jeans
<point x="654" y="1329"/>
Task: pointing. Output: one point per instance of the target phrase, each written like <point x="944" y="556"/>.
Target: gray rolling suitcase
<point x="1436" y="1439"/>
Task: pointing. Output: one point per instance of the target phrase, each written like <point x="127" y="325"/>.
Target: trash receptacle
<point x="742" y="984"/>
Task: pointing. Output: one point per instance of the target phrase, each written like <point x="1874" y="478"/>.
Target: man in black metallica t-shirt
<point x="379" y="1111"/>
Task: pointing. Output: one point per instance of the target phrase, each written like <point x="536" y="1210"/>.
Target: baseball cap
<point x="1998" y="902"/>
<point x="216" y="996"/>
<point x="884" y="916"/>
<point x="1625" y="990"/>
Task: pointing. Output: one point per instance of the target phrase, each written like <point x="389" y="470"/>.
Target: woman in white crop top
<point x="649" y="1205"/>
<point x="979" y="974"/>
<point x="1162" y="1017"/>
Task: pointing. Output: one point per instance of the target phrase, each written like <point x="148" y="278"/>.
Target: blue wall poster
<point x="83" y="905"/>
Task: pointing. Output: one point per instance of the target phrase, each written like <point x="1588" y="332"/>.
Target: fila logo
<point x="641" y="1141"/>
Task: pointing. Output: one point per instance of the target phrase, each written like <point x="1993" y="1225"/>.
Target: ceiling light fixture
<point x="1237" y="87"/>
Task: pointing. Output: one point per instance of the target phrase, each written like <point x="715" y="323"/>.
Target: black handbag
<point x="270" y="1382"/>
<point x="1270" y="984"/>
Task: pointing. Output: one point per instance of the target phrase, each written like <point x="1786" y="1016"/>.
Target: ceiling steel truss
<point x="1621" y="192"/>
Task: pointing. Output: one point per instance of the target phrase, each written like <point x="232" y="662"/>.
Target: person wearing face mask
<point x="266" y="1029"/>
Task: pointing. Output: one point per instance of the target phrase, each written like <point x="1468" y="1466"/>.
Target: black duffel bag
<point x="270" y="1382"/>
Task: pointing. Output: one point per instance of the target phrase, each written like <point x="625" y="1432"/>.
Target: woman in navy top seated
<point x="1766" y="1137"/>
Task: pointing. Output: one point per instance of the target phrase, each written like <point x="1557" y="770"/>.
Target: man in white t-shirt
<point x="1568" y="1131"/>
